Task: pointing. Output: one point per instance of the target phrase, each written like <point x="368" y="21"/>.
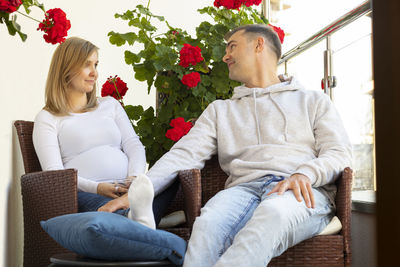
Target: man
<point x="282" y="147"/>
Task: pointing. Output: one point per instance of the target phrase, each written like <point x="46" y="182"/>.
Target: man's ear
<point x="260" y="44"/>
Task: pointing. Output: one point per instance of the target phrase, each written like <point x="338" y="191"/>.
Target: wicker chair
<point x="196" y="189"/>
<point x="47" y="194"/>
<point x="319" y="251"/>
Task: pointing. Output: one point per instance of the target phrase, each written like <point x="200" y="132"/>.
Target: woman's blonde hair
<point x="68" y="59"/>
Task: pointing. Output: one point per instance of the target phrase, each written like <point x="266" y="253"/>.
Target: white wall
<point x="23" y="71"/>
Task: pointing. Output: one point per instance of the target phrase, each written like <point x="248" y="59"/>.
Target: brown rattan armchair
<point x="319" y="251"/>
<point x="47" y="194"/>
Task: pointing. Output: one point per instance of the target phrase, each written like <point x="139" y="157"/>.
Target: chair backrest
<point x="24" y="132"/>
<point x="213" y="179"/>
<point x="38" y="190"/>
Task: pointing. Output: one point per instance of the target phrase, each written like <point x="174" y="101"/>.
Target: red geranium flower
<point x="190" y="55"/>
<point x="55" y="25"/>
<point x="191" y="79"/>
<point x="252" y="2"/>
<point x="180" y="128"/>
<point x="229" y="4"/>
<point x="279" y="31"/>
<point x="114" y="87"/>
<point x="236" y="4"/>
<point x="9" y="6"/>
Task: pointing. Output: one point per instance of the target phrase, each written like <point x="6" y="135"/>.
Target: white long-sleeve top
<point x="101" y="144"/>
<point x="281" y="130"/>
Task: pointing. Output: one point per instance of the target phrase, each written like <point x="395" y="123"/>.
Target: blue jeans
<point x="241" y="226"/>
<point x="92" y="202"/>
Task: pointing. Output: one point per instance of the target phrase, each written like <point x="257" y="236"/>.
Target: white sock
<point x="140" y="195"/>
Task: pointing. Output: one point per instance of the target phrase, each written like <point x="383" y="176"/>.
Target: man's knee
<point x="282" y="211"/>
<point x="207" y="219"/>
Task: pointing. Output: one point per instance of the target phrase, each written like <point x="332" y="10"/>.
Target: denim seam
<point x="240" y="218"/>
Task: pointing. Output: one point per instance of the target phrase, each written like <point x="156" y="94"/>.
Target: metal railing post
<point x="328" y="79"/>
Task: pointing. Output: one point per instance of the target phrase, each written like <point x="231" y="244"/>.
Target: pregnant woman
<point x="75" y="129"/>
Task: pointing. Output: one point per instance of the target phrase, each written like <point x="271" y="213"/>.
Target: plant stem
<point x="121" y="101"/>
<point x="28" y="16"/>
<point x="148" y="5"/>
<point x="241" y="14"/>
<point x="116" y="89"/>
<point x="154" y="36"/>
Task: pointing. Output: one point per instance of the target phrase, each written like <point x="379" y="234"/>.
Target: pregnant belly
<point x="101" y="164"/>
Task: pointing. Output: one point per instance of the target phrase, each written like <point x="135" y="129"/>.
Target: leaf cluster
<point x="157" y="64"/>
<point x="10" y="20"/>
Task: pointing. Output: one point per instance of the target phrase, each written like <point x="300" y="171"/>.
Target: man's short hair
<point x="265" y="31"/>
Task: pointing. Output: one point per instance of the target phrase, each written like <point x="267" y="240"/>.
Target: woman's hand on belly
<point x="111" y="190"/>
<point x="116" y="204"/>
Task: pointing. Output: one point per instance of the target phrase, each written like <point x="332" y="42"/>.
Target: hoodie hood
<point x="286" y="84"/>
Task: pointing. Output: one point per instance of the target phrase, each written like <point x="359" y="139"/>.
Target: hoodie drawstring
<point x="256" y="117"/>
<point x="283" y="113"/>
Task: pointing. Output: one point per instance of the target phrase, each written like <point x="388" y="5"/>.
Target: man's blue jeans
<point x="241" y="226"/>
<point x="92" y="202"/>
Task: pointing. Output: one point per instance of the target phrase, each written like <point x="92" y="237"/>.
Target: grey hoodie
<point x="282" y="129"/>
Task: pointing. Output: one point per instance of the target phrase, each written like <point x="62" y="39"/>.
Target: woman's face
<point x="85" y="80"/>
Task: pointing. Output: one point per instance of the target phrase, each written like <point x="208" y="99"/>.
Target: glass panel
<point x="302" y="18"/>
<point x="353" y="96"/>
<point x="307" y="67"/>
<point x="352" y="66"/>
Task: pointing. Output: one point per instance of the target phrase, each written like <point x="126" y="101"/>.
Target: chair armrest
<point x="191" y="187"/>
<point x="343" y="209"/>
<point x="45" y="195"/>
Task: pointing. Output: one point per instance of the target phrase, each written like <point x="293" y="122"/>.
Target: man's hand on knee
<point x="301" y="186"/>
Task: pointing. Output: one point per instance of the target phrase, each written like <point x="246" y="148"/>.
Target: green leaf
<point x="128" y="15"/>
<point x="27" y="4"/>
<point x="145" y="72"/>
<point x="218" y="52"/>
<point x="205" y="80"/>
<point x="13" y="27"/>
<point x="210" y="97"/>
<point x="134" y="112"/>
<point x="140" y="72"/>
<point x="22" y="35"/>
<point x="165" y="83"/>
<point x="116" y="39"/>
<point x="146" y="11"/>
<point x="227" y="13"/>
<point x="16" y="26"/>
<point x="131" y="58"/>
<point x="146" y="25"/>
<point x="147" y="141"/>
<point x="135" y="22"/>
<point x="164" y="58"/>
<point x="148" y="113"/>
<point x="221" y="29"/>
<point x="165" y="113"/>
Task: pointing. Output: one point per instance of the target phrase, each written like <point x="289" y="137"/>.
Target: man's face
<point x="240" y="57"/>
